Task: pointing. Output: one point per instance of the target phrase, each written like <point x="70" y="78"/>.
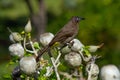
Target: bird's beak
<point x="81" y="18"/>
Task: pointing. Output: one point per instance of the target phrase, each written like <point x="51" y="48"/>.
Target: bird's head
<point x="77" y="19"/>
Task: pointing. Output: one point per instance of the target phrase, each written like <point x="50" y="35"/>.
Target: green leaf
<point x="43" y="71"/>
<point x="22" y="76"/>
<point x="7" y="76"/>
<point x="28" y="54"/>
<point x="63" y="67"/>
<point x="15" y="59"/>
<point x="36" y="45"/>
<point x="29" y="35"/>
<point x="41" y="78"/>
<point x="10" y="63"/>
<point x="86" y="51"/>
<point x="23" y="32"/>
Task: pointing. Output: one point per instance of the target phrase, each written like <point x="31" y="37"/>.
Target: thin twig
<point x="91" y="63"/>
<point x="58" y="57"/>
<point x="89" y="72"/>
<point x="35" y="52"/>
<point x="55" y="68"/>
<point x="9" y="30"/>
<point x="86" y="59"/>
<point x="55" y="62"/>
<point x="24" y="44"/>
<point x="65" y="74"/>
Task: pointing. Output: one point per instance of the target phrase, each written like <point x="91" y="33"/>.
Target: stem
<point x="58" y="57"/>
<point x="28" y="78"/>
<point x="24" y="44"/>
<point x="86" y="59"/>
<point x="55" y="63"/>
<point x="35" y="52"/>
<point x="89" y="72"/>
<point x="31" y="43"/>
<point x="9" y="30"/>
<point x="91" y="68"/>
<point x="55" y="68"/>
<point x="67" y="75"/>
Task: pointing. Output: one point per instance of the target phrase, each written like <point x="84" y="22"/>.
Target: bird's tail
<point x="40" y="52"/>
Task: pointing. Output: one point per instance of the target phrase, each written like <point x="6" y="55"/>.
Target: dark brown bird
<point x="64" y="35"/>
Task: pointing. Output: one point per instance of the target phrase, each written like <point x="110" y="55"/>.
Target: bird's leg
<point x="69" y="44"/>
<point x="65" y="44"/>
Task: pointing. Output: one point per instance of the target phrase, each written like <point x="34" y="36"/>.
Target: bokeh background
<point x="102" y="24"/>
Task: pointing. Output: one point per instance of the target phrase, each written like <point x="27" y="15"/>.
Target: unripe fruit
<point x="28" y="27"/>
<point x="16" y="50"/>
<point x="73" y="59"/>
<point x="110" y="72"/>
<point x="11" y="38"/>
<point x="15" y="37"/>
<point x="66" y="49"/>
<point x="46" y="38"/>
<point x="94" y="48"/>
<point x="28" y="65"/>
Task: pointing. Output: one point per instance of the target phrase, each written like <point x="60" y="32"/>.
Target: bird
<point x="64" y="35"/>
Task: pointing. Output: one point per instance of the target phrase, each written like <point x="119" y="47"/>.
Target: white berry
<point x="16" y="50"/>
<point x="28" y="65"/>
<point x="110" y="72"/>
<point x="73" y="59"/>
<point x="28" y="27"/>
<point x="77" y="45"/>
<point x="46" y="38"/>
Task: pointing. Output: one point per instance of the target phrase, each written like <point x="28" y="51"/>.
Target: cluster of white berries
<point x="74" y="55"/>
<point x="27" y="63"/>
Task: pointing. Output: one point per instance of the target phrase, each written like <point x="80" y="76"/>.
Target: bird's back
<point x="69" y="30"/>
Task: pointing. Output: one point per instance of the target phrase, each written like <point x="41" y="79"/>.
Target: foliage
<point x="101" y="24"/>
<point x="31" y="66"/>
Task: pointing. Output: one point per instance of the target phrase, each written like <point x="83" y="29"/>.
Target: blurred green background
<point x="102" y="24"/>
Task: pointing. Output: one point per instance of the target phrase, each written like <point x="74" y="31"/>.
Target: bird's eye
<point x="77" y="19"/>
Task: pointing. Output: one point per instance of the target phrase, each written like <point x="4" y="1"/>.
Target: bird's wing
<point x="61" y="37"/>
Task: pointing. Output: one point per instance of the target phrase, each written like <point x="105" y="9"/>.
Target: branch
<point x="55" y="63"/>
<point x="29" y="7"/>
